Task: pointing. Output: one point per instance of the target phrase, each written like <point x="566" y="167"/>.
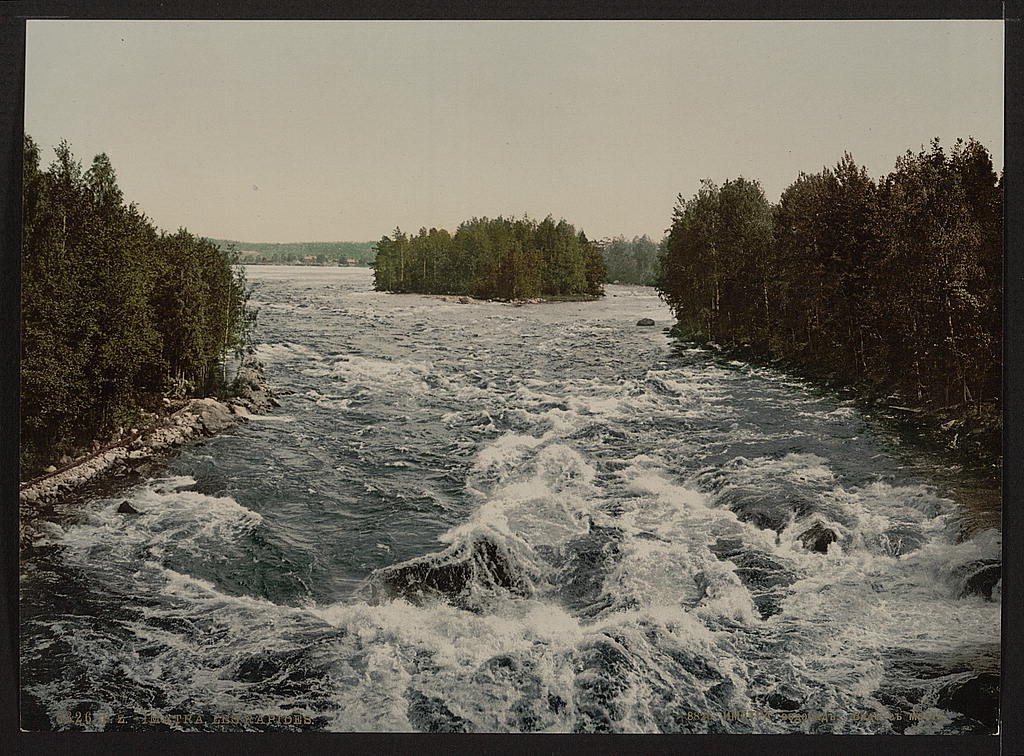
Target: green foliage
<point x="114" y="313"/>
<point x="297" y="252"/>
<point x="498" y="258"/>
<point x="896" y="284"/>
<point x="630" y="262"/>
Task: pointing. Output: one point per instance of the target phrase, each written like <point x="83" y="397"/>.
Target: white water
<point x="491" y="518"/>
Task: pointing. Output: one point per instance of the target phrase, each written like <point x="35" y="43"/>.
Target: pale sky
<point x="331" y="131"/>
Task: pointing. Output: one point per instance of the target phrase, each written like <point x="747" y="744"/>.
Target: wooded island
<point x="500" y="258"/>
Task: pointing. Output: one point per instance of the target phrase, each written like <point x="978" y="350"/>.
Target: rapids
<point x="484" y="517"/>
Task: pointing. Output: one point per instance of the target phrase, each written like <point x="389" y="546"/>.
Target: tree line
<point x="894" y="283"/>
<point x="499" y="258"/>
<point x="630" y="261"/>
<point x="115" y="314"/>
<point x="296" y="252"/>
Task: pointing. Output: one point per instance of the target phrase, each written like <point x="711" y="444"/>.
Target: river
<point x="484" y="517"/>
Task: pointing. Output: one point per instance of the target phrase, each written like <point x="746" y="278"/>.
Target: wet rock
<point x="721" y="694"/>
<point x="587" y="559"/>
<point x="431" y="714"/>
<point x="817" y="538"/>
<point x="250" y="390"/>
<point x="645" y="322"/>
<point x="769" y="510"/>
<point x="901" y="539"/>
<point x="127" y="508"/>
<point x="726" y="548"/>
<point x="781" y="702"/>
<point x="907" y="664"/>
<point x="753" y="507"/>
<point x="601" y="694"/>
<point x="764" y="576"/>
<point x="979" y="577"/>
<point x="452" y="574"/>
<point x="976" y="697"/>
<point x="463" y="300"/>
<point x="213" y="416"/>
<point x="758" y="571"/>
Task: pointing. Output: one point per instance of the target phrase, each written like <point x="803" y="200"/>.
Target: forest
<point x="499" y="258"/>
<point x="630" y="262"/>
<point x="296" y="252"/>
<point x="115" y="314"/>
<point x="892" y="284"/>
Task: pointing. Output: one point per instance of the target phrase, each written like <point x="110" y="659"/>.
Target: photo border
<point x="12" y="52"/>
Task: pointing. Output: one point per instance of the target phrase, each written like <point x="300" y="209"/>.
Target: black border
<point x="12" y="47"/>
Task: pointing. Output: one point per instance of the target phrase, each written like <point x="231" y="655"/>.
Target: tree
<point x="498" y="258"/>
<point x="112" y="312"/>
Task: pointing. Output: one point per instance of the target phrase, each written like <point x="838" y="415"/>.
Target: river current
<point x="489" y="517"/>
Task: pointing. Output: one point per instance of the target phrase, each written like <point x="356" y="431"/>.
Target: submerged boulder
<point x="767" y="510"/>
<point x="645" y="322"/>
<point x="452" y="574"/>
<point x="431" y="714"/>
<point x="817" y="538"/>
<point x="127" y="508"/>
<point x="979" y="577"/>
<point x="901" y="539"/>
<point x="976" y="697"/>
<point x="767" y="578"/>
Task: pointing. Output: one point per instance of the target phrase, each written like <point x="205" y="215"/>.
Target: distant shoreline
<point x="304" y="264"/>
<point x="466" y="299"/>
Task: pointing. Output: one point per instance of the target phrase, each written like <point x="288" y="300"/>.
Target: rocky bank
<point x="49" y="498"/>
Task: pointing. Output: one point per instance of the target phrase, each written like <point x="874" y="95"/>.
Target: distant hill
<point x="298" y="253"/>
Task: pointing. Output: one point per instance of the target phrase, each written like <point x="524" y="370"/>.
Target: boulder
<point x="463" y="300"/>
<point x="213" y="416"/>
<point x="768" y="510"/>
<point x="980" y="577"/>
<point x="976" y="697"/>
<point x="817" y="538"/>
<point x="430" y="714"/>
<point x="645" y="322"/>
<point x="127" y="508"/>
<point x="901" y="539"/>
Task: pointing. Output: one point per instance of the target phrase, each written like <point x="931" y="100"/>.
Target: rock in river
<point x="645" y="322"/>
<point x="817" y="538"/>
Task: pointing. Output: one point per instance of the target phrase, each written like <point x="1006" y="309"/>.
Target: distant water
<point x="543" y="518"/>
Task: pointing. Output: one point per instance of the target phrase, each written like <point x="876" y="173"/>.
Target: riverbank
<point x="50" y="498"/>
<point x="970" y="436"/>
<point x="464" y="299"/>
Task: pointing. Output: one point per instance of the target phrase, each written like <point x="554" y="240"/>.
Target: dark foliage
<point x="630" y="262"/>
<point x="895" y="285"/>
<point x="114" y="313"/>
<point x="492" y="259"/>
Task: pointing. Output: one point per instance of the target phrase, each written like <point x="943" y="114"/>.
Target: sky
<point x="341" y="131"/>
